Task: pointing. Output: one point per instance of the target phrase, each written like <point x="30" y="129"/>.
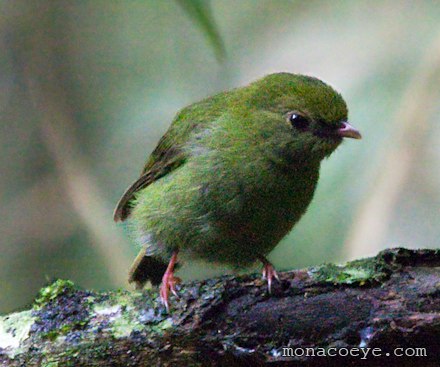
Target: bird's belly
<point x="232" y="220"/>
<point x="239" y="227"/>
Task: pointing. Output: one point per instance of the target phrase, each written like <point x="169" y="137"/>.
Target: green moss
<point x="124" y="325"/>
<point x="52" y="291"/>
<point x="61" y="309"/>
<point x="122" y="311"/>
<point x="165" y="324"/>
<point x="50" y="364"/>
<point x="364" y="271"/>
<point x="67" y="358"/>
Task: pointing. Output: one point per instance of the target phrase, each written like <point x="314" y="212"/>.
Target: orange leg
<point x="269" y="272"/>
<point x="169" y="282"/>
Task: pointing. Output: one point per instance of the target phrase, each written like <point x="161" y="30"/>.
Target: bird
<point x="231" y="177"/>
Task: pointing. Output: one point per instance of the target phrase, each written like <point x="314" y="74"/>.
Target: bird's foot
<point x="169" y="282"/>
<point x="269" y="273"/>
<point x="168" y="285"/>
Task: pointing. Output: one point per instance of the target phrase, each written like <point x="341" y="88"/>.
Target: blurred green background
<point x="88" y="87"/>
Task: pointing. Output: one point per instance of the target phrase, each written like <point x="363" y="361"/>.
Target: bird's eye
<point x="299" y="121"/>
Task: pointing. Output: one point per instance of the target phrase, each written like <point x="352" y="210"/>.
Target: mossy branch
<point x="389" y="301"/>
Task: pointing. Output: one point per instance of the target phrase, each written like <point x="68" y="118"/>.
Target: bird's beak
<point x="348" y="131"/>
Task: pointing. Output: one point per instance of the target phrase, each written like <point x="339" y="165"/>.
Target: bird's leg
<point x="269" y="272"/>
<point x="169" y="281"/>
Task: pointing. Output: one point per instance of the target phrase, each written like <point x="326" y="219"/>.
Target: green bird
<point x="232" y="176"/>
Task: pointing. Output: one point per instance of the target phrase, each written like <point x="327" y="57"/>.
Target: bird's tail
<point x="146" y="268"/>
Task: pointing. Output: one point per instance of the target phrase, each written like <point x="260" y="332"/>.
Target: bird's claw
<point x="269" y="273"/>
<point x="169" y="282"/>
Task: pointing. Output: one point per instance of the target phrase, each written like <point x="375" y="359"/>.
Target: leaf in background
<point x="200" y="12"/>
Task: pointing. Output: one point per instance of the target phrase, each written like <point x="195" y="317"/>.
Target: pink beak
<point x="348" y="131"/>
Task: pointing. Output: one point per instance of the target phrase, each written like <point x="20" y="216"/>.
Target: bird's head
<point x="310" y="114"/>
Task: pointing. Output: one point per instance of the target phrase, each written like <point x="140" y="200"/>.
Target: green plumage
<point x="233" y="173"/>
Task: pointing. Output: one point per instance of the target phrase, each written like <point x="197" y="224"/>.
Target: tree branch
<point x="387" y="302"/>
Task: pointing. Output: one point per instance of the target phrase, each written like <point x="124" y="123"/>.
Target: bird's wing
<point x="166" y="157"/>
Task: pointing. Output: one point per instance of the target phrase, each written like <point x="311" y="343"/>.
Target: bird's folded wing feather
<point x="166" y="157"/>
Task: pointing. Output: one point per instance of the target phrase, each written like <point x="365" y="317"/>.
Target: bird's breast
<point x="256" y="204"/>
